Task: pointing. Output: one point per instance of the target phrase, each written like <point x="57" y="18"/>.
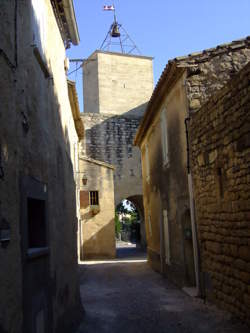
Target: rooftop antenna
<point x="116" y="31"/>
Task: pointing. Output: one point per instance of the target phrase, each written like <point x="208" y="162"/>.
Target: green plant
<point x="117" y="225"/>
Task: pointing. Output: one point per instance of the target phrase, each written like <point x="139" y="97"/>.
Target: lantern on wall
<point x="84" y="179"/>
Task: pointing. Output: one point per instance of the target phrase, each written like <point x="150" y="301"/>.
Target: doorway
<point x="37" y="300"/>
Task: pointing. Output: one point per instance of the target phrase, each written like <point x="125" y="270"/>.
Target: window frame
<point x="164" y="138"/>
<point x="94" y="198"/>
<point x="149" y="224"/>
<point x="166" y="236"/>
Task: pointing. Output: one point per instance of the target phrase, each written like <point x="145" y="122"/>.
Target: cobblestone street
<point x="125" y="295"/>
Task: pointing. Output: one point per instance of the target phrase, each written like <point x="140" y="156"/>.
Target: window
<point x="166" y="236"/>
<point x="149" y="224"/>
<point x="93" y="198"/>
<point x="164" y="138"/>
<point x="147" y="163"/>
<point x="39" y="25"/>
<point x="220" y="181"/>
<point x="36" y="223"/>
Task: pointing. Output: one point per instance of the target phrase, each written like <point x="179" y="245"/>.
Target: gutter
<point x="71" y="20"/>
<point x="74" y="104"/>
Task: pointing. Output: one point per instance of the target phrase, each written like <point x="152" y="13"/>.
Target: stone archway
<point x="137" y="202"/>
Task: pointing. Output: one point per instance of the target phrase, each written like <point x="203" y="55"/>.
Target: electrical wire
<point x="75" y="70"/>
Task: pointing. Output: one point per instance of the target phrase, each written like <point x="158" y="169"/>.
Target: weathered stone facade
<point x="110" y="139"/>
<point x="165" y="190"/>
<point x="220" y="164"/>
<point x="184" y="85"/>
<point x="210" y="70"/>
<point x="115" y="83"/>
<point x="117" y="88"/>
<point x="39" y="290"/>
<point x="97" y="228"/>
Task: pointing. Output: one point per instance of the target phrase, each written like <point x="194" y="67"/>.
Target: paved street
<point x="125" y="295"/>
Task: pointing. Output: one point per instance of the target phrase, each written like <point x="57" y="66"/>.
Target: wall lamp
<point x="84" y="179"/>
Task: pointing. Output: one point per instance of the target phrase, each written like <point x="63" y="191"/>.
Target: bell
<point x="115" y="31"/>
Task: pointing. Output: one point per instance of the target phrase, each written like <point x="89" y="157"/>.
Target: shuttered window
<point x="149" y="224"/>
<point x="166" y="236"/>
<point x="164" y="138"/>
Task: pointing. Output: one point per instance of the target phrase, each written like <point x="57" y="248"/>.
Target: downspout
<point x="192" y="213"/>
<point x="162" y="243"/>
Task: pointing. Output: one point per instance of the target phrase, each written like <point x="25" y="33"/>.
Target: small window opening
<point x="94" y="198"/>
<point x="220" y="180"/>
<point x="36" y="223"/>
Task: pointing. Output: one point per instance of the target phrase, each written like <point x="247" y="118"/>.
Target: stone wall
<point x="97" y="229"/>
<point x="116" y="90"/>
<point x="210" y="70"/>
<point x="37" y="141"/>
<point x="220" y="165"/>
<point x="110" y="139"/>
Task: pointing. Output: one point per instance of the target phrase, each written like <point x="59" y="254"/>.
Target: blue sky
<point x="162" y="29"/>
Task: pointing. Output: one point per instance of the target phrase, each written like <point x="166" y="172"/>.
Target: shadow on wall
<point x="105" y="139"/>
<point x="36" y="145"/>
<point x="110" y="139"/>
<point x="100" y="244"/>
<point x="99" y="178"/>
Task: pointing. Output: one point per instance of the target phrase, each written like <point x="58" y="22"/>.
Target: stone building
<point x="117" y="88"/>
<point x="97" y="228"/>
<point x="185" y="84"/>
<point x="39" y="136"/>
<point x="220" y="164"/>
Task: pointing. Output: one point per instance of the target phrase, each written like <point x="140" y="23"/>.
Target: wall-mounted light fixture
<point x="84" y="179"/>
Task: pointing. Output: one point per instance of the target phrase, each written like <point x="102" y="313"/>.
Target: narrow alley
<point x="124" y="166"/>
<point x="126" y="295"/>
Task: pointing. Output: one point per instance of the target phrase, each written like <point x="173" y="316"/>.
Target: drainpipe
<point x="162" y="243"/>
<point x="192" y="213"/>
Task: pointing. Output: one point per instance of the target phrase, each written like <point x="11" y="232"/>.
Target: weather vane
<point x="116" y="30"/>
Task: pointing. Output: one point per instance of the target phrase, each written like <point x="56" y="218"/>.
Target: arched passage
<point x="130" y="220"/>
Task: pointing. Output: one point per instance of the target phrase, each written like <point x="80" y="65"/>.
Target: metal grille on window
<point x="94" y="198"/>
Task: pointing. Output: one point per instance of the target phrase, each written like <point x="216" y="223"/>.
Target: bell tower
<point x="117" y="38"/>
<point x="117" y="79"/>
<point x="117" y="85"/>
